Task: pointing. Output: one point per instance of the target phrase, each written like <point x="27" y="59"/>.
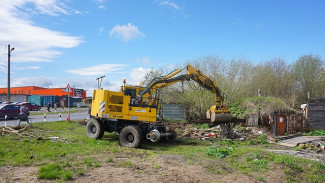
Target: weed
<point x="260" y="178"/>
<point x="289" y="161"/>
<point x="202" y="126"/>
<point x="218" y="152"/>
<point x="256" y="155"/>
<point x="176" y="121"/>
<point x="66" y="164"/>
<point x="88" y="161"/>
<point x="110" y="160"/>
<point x="315" y="133"/>
<point x="67" y="175"/>
<point x="262" y="139"/>
<point x="80" y="172"/>
<point x="251" y="142"/>
<point x="260" y="164"/>
<point x="97" y="164"/>
<point x="240" y="128"/>
<point x="157" y="166"/>
<point x="287" y="171"/>
<point x="127" y="164"/>
<point x="51" y="171"/>
<point x="297" y="148"/>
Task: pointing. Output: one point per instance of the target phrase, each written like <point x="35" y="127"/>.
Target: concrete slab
<point x="293" y="142"/>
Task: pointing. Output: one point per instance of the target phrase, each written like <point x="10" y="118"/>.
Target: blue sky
<point x="68" y="41"/>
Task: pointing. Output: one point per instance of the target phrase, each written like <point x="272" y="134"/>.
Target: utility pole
<point x="8" y="93"/>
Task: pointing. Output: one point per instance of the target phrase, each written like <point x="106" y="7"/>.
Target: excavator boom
<point x="217" y="113"/>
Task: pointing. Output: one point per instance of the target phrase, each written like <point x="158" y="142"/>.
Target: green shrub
<point x="202" y="126"/>
<point x="315" y="133"/>
<point x="110" y="160"/>
<point x="218" y="152"/>
<point x="262" y="139"/>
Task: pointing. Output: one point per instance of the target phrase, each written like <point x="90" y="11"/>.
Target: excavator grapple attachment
<point x="220" y="118"/>
<point x="219" y="114"/>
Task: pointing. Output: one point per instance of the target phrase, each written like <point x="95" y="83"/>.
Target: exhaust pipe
<point x="155" y="135"/>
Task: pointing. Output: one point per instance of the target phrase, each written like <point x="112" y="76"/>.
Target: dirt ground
<point x="164" y="168"/>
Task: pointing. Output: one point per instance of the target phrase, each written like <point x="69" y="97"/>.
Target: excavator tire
<point x="94" y="129"/>
<point x="131" y="136"/>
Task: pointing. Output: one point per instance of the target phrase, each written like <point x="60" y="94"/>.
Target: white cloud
<point x="27" y="68"/>
<point x="145" y="61"/>
<point x="100" y="3"/>
<point x="101" y="30"/>
<point x="169" y="4"/>
<point x="137" y="75"/>
<point x="97" y="70"/>
<point x="126" y="32"/>
<point x="32" y="81"/>
<point x="3" y="69"/>
<point x="32" y="43"/>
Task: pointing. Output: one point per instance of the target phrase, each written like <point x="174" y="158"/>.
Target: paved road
<point x="50" y="117"/>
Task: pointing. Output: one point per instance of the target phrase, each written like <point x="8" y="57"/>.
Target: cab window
<point x="130" y="92"/>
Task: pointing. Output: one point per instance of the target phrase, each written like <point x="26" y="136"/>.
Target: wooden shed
<point x="315" y="113"/>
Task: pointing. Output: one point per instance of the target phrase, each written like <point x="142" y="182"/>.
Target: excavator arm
<point x="217" y="113"/>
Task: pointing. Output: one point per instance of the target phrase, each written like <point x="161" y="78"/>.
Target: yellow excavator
<point x="134" y="112"/>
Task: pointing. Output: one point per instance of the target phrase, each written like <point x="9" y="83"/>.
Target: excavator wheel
<point x="131" y="136"/>
<point x="94" y="129"/>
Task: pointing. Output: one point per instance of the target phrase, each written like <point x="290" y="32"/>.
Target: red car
<point x="31" y="106"/>
<point x="11" y="110"/>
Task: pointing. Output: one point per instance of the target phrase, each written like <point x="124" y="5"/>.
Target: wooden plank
<point x="316" y="100"/>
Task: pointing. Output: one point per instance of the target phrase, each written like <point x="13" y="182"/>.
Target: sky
<point x="60" y="42"/>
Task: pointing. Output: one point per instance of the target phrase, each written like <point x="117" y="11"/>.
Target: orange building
<point x="36" y="90"/>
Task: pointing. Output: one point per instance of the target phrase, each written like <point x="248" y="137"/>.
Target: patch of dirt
<point x="163" y="168"/>
<point x="10" y="174"/>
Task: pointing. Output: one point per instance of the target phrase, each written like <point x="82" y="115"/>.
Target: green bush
<point x="218" y="152"/>
<point x="202" y="126"/>
<point x="262" y="139"/>
<point x="315" y="133"/>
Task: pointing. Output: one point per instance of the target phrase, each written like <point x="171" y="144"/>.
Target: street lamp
<point x="9" y="51"/>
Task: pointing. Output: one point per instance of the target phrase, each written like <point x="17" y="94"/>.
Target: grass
<point x="202" y="126"/>
<point x="54" y="171"/>
<point x="74" y="153"/>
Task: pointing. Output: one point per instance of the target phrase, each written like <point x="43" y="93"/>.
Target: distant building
<point x="36" y="90"/>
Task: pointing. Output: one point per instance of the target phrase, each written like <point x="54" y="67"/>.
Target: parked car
<point x="11" y="110"/>
<point x="31" y="106"/>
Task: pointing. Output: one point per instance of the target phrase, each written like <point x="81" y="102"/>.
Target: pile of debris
<point x="17" y="130"/>
<point x="314" y="145"/>
<point x="189" y="131"/>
